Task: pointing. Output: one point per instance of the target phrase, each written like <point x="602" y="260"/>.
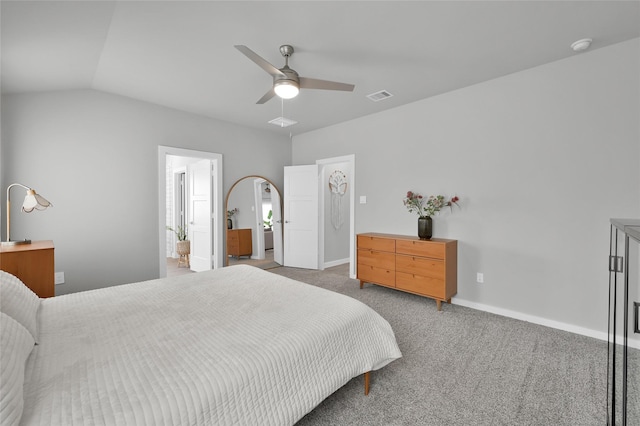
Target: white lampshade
<point x="286" y="89"/>
<point x="34" y="201"/>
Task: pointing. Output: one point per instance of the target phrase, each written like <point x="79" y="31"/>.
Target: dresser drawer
<point x="425" y="266"/>
<point x="376" y="243"/>
<point x="376" y="275"/>
<point x="421" y="248"/>
<point x="378" y="259"/>
<point x="427" y="286"/>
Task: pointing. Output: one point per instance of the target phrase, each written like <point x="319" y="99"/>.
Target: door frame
<point x="176" y="223"/>
<point x="351" y="159"/>
<point x="218" y="229"/>
<point x="257" y="203"/>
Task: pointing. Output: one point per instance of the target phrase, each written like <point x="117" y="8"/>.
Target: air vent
<point x="283" y="122"/>
<point x="378" y="96"/>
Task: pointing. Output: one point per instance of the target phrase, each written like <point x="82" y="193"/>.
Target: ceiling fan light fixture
<point x="286" y="89"/>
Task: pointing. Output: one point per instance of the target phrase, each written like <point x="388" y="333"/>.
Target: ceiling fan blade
<point x="314" y="83"/>
<point x="270" y="94"/>
<point x="259" y="60"/>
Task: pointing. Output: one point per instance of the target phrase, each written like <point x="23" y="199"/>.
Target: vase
<point x="229" y="224"/>
<point x="425" y="227"/>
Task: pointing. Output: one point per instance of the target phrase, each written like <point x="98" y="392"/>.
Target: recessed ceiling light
<point x="580" y="45"/>
<point x="283" y="122"/>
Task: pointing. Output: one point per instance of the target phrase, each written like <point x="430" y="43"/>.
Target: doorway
<point x="337" y="212"/>
<point x="174" y="194"/>
<point x="319" y="212"/>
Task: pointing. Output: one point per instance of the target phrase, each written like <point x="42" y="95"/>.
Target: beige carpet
<point x="267" y="263"/>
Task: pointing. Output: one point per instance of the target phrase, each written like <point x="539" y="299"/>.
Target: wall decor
<point x="338" y="187"/>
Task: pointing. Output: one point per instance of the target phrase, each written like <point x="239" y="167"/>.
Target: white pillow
<point x="16" y="343"/>
<point x="19" y="302"/>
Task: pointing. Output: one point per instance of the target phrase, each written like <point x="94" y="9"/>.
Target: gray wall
<point x="541" y="160"/>
<point x="336" y="241"/>
<point x="94" y="156"/>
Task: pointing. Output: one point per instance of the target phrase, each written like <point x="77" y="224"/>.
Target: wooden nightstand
<point x="33" y="264"/>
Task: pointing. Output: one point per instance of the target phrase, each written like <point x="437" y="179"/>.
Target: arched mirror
<point x="254" y="223"/>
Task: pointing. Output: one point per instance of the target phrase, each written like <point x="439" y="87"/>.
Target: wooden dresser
<point x="239" y="242"/>
<point x="423" y="267"/>
<point x="33" y="264"/>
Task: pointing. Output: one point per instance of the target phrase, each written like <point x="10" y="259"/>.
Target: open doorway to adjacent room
<point x="190" y="211"/>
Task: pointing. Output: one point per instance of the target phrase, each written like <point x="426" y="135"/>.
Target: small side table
<point x="33" y="264"/>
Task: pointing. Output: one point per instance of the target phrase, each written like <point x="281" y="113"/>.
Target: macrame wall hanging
<point x="338" y="187"/>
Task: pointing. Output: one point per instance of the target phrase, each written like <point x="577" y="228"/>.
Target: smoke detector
<point x="580" y="45"/>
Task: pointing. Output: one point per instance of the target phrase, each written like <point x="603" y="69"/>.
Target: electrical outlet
<point x="58" y="278"/>
<point x="480" y="277"/>
<point x="363" y="199"/>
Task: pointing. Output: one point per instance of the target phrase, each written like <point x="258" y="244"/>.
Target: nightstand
<point x="33" y="264"/>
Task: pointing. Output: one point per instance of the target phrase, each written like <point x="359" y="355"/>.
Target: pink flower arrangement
<point x="427" y="207"/>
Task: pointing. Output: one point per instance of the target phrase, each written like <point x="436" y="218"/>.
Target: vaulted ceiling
<point x="181" y="54"/>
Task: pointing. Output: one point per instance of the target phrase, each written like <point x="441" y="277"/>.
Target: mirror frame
<point x="226" y="208"/>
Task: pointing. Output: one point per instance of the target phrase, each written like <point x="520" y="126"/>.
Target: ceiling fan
<point x="286" y="81"/>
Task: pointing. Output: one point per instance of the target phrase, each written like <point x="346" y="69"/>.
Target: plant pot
<point x="229" y="223"/>
<point x="425" y="228"/>
<point x="183" y="247"/>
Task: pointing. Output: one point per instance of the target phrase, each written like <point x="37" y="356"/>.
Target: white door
<point x="276" y="219"/>
<point x="200" y="215"/>
<point x="301" y="216"/>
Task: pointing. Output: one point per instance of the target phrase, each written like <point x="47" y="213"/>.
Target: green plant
<point x="181" y="232"/>
<point x="268" y="223"/>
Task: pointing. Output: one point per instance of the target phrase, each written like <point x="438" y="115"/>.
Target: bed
<point x="236" y="345"/>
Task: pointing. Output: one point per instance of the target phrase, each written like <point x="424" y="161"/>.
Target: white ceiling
<point x="180" y="54"/>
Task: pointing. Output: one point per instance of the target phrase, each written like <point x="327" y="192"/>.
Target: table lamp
<point x="32" y="201"/>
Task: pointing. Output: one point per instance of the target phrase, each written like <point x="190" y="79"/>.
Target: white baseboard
<point x="539" y="320"/>
<point x="336" y="263"/>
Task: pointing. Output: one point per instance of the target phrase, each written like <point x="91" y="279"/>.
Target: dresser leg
<point x="439" y="305"/>
<point x="361" y="284"/>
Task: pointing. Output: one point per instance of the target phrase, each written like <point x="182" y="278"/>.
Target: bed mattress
<point x="234" y="346"/>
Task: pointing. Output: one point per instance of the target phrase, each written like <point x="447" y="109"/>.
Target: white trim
<point x="219" y="229"/>
<point x="257" y="205"/>
<point x="174" y="204"/>
<point x="539" y="320"/>
<point x="351" y="159"/>
<point x="336" y="262"/>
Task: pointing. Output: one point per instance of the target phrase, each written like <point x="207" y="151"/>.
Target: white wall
<point x="541" y="160"/>
<point x="94" y="156"/>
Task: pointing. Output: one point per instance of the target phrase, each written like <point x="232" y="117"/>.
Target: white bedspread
<point x="236" y="346"/>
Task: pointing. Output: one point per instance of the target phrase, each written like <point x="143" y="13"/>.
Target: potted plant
<point x="426" y="207"/>
<point x="268" y="223"/>
<point x="183" y="246"/>
<point x="230" y="214"/>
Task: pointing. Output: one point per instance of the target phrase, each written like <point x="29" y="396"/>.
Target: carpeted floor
<point x="461" y="366"/>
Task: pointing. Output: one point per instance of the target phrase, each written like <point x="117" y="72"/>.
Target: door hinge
<point x="616" y="264"/>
